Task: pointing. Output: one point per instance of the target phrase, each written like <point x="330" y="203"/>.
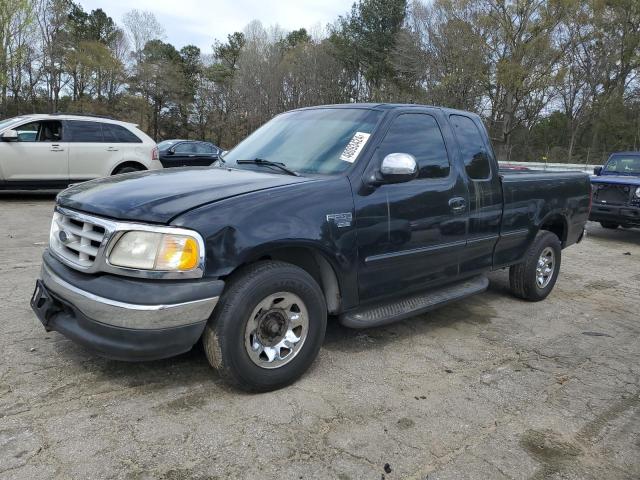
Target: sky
<point x="200" y="22"/>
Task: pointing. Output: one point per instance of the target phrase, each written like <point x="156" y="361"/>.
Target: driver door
<point x="39" y="155"/>
<point x="184" y="155"/>
<point x="410" y="235"/>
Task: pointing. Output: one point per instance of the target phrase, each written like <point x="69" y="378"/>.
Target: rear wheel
<point x="609" y="225"/>
<point x="535" y="277"/>
<point x="267" y="328"/>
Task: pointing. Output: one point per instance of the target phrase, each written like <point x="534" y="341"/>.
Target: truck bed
<point x="532" y="199"/>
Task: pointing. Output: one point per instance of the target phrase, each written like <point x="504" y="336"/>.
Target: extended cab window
<point x="419" y="135"/>
<point x="472" y="147"/>
<point x="80" y="131"/>
<point x="42" y="131"/>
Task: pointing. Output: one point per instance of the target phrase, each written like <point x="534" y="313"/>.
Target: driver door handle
<point x="458" y="205"/>
<point x="112" y="149"/>
<point x="56" y="148"/>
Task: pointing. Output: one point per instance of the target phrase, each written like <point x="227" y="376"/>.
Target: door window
<point x="43" y="131"/>
<point x="419" y="135"/>
<point x="88" y="132"/>
<point x="118" y="134"/>
<point x="472" y="148"/>
<point x="204" y="149"/>
<point x="185" y="148"/>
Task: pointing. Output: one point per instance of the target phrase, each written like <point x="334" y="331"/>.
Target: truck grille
<point x="76" y="239"/>
<point x="613" y="194"/>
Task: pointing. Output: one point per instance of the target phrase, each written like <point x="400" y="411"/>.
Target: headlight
<point x="156" y="251"/>
<point x="638" y="192"/>
<point x="54" y="231"/>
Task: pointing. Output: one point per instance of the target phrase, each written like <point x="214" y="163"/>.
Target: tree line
<point x="553" y="79"/>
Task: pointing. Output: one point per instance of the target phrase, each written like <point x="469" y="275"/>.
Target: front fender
<point x="242" y="229"/>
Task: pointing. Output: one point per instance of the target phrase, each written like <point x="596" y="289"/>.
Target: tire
<point x="127" y="170"/>
<point x="257" y="300"/>
<point x="609" y="225"/>
<point x="524" y="277"/>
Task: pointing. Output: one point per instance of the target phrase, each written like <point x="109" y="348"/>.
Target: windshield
<point x="623" y="165"/>
<point x="318" y="141"/>
<point x="9" y="121"/>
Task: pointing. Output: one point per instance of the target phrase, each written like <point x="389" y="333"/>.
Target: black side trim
<point x="516" y="233"/>
<point x="488" y="238"/>
<point x="414" y="251"/>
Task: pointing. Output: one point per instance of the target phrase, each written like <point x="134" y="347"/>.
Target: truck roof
<point x="624" y="153"/>
<point x="387" y="106"/>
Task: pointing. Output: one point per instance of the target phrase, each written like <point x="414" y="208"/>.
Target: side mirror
<point x="398" y="168"/>
<point x="10" y="136"/>
<point x="171" y="151"/>
<point x="223" y="153"/>
<point x="597" y="171"/>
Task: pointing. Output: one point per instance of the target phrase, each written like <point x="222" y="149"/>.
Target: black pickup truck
<point x="616" y="191"/>
<point x="368" y="213"/>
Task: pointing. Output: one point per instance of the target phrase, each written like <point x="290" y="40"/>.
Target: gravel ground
<point x="489" y="388"/>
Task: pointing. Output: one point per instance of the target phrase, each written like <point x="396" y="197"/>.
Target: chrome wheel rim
<point x="276" y="330"/>
<point x="545" y="267"/>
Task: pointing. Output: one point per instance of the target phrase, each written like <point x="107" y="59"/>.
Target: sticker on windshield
<point x="355" y="146"/>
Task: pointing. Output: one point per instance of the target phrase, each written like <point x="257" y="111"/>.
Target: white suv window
<point x="118" y="134"/>
<point x="97" y="132"/>
<point x="88" y="132"/>
<point x="41" y="131"/>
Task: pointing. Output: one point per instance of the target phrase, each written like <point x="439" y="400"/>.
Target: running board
<point x="383" y="314"/>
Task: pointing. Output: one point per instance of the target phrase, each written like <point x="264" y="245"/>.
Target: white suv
<point x="52" y="151"/>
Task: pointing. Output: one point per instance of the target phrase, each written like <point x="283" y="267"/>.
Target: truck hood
<point x="617" y="179"/>
<point x="160" y="195"/>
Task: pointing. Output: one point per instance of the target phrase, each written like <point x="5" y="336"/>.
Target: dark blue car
<point x="188" y="153"/>
<point x="616" y="191"/>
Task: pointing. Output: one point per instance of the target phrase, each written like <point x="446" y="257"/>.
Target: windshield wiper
<point x="268" y="163"/>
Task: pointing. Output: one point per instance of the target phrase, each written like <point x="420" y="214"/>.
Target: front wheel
<point x="267" y="328"/>
<point x="535" y="277"/>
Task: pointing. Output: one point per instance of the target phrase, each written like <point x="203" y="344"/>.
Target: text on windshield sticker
<point x="354" y="147"/>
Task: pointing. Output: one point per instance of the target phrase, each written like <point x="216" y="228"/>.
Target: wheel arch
<point x="128" y="163"/>
<point x="313" y="261"/>
<point x="556" y="223"/>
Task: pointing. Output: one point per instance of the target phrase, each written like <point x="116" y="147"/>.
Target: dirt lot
<point x="489" y="388"/>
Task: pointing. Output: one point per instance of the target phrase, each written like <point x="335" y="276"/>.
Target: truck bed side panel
<point x="534" y="200"/>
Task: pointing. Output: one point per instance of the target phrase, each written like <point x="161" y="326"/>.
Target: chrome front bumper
<point x="128" y="315"/>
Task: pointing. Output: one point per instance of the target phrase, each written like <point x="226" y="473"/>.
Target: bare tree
<point x="140" y="28"/>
